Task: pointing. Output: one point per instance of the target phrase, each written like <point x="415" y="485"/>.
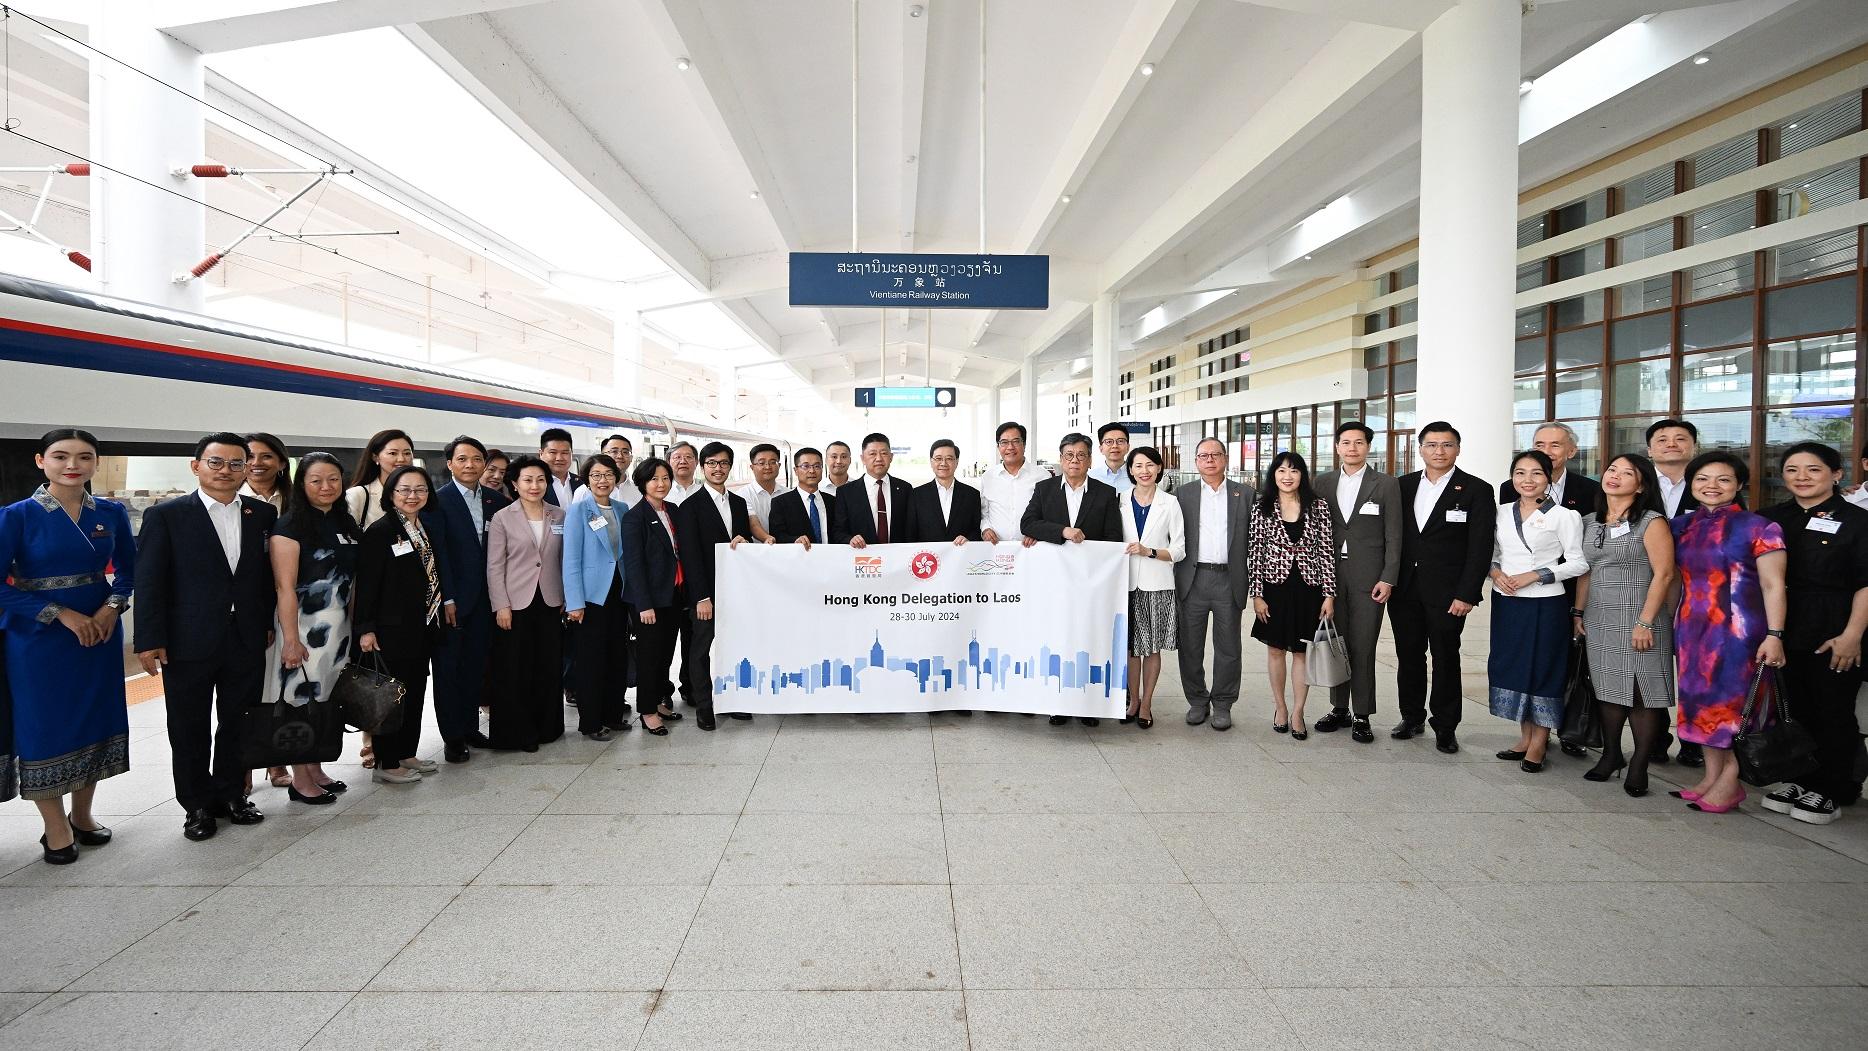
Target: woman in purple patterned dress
<point x="1730" y="617"/>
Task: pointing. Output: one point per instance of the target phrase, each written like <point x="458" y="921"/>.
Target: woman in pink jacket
<point x="525" y="584"/>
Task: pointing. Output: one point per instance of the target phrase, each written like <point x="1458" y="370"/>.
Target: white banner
<point x="922" y="627"/>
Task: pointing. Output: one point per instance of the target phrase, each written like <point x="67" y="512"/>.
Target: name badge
<point x="402" y="547"/>
<point x="1456" y="515"/>
<point x="597" y="524"/>
<point x="1370" y="508"/>
<point x="1825" y="525"/>
<point x="1619" y="530"/>
<point x="557" y="529"/>
<point x="343" y="540"/>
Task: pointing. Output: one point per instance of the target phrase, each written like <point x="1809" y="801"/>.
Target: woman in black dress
<point x="653" y="587"/>
<point x="399" y="613"/>
<point x="1291" y="576"/>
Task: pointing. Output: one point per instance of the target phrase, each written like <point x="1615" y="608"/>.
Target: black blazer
<point x="1579" y="495"/>
<point x="929" y="526"/>
<point x="698" y="528"/>
<point x="1448" y="560"/>
<point x="463" y="572"/>
<point x="551" y="491"/>
<point x="184" y="589"/>
<point x="392" y="589"/>
<point x="790" y="520"/>
<point x="851" y="515"/>
<point x="649" y="556"/>
<point x="1048" y="514"/>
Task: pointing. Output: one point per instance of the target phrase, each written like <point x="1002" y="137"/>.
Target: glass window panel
<point x="1378" y="383"/>
<point x="1641" y="337"/>
<point x="1374" y="322"/>
<point x="1649" y="293"/>
<point x="1529" y="356"/>
<point x="1725" y="430"/>
<point x="1325" y="456"/>
<point x="1719" y="380"/>
<point x="1300" y="432"/>
<point x="1585" y="260"/>
<point x="1820" y="306"/>
<point x="1407" y="277"/>
<point x="1730" y="157"/>
<point x="1821" y="368"/>
<point x="1579" y="346"/>
<point x="1819" y="124"/>
<point x="1375" y="356"/>
<point x="1578" y="214"/>
<point x="1407" y="313"/>
<point x="1403" y="349"/>
<point x="1813" y="193"/>
<point x="1644" y="243"/>
<point x="1523" y="435"/>
<point x="1643" y="386"/>
<point x="1722" y="220"/>
<point x="1829" y="254"/>
<point x="1531" y="275"/>
<point x="1530" y="321"/>
<point x="1579" y="393"/>
<point x="1527" y="399"/>
<point x="1531" y="231"/>
<point x="1737" y="274"/>
<point x="1656" y="185"/>
<point x="1627" y="436"/>
<point x="1717" y="324"/>
<point x="1833" y="425"/>
<point x="1376" y="416"/>
<point x="1404" y="377"/>
<point x="1579" y="310"/>
<point x="1404" y="412"/>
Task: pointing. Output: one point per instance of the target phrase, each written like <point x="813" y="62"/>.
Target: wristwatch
<point x="120" y="603"/>
<point x="1775" y="633"/>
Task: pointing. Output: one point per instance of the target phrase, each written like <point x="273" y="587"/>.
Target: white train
<point x="150" y="381"/>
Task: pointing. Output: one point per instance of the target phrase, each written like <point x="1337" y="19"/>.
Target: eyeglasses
<point x="1074" y="457"/>
<point x="1439" y="446"/>
<point x="1007" y="443"/>
<point x="1209" y="456"/>
<point x="599" y="476"/>
<point x="946" y="459"/>
<point x="405" y="490"/>
<point x="767" y="462"/>
<point x="215" y="463"/>
<point x="716" y="462"/>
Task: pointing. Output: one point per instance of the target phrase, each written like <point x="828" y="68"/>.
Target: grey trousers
<point x="1359" y="618"/>
<point x="1210" y="595"/>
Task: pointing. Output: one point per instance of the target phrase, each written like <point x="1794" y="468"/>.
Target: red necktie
<point x="882" y="512"/>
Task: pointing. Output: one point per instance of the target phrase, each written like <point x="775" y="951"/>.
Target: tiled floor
<point x="911" y="882"/>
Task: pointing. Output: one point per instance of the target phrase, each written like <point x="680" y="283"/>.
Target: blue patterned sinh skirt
<point x="1530" y="658"/>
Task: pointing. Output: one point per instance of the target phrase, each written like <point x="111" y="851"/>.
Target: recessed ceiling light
<point x="1065" y="199"/>
<point x="682" y="63"/>
<point x="1793" y="126"/>
<point x="1308" y="257"/>
<point x="755" y="195"/>
<point x="1525" y="86"/>
<point x="915" y="11"/>
<point x="1701" y="59"/>
<point x="1148" y="69"/>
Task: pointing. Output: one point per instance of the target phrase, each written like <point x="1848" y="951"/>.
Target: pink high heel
<point x="1707" y="808"/>
<point x="1685" y="793"/>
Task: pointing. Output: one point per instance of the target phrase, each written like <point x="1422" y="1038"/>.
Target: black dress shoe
<point x="1336" y="720"/>
<point x="478" y="740"/>
<point x="91" y="837"/>
<point x="1361" y="732"/>
<point x="671" y="716"/>
<point x="321" y="799"/>
<point x="1404" y="730"/>
<point x="1059" y="720"/>
<point x="1576" y="750"/>
<point x="600" y="735"/>
<point x="622" y="727"/>
<point x="1090" y="720"/>
<point x="744" y="717"/>
<point x="457" y="753"/>
<point x="1691" y="755"/>
<point x="1446" y="742"/>
<point x="335" y="786"/>
<point x="200" y="825"/>
<point x="1658" y="754"/>
<point x="1531" y="768"/>
<point x="1512" y="755"/>
<point x="243" y="812"/>
<point x="657" y="731"/>
<point x="64" y="855"/>
<point x="701" y="720"/>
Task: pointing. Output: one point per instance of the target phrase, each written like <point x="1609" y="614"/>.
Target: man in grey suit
<point x="1367" y="506"/>
<point x="1210" y="582"/>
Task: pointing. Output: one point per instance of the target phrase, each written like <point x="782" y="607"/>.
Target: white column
<point x="1103" y="321"/>
<point x="1468" y="227"/>
<point x="626" y="353"/>
<point x="991" y="423"/>
<point x="729" y="396"/>
<point x="142" y="237"/>
<point x="1028" y="400"/>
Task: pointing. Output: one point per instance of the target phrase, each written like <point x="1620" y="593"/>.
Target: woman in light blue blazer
<point x="593" y="600"/>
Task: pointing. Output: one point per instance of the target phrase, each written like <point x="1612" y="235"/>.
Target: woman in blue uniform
<point x="71" y="726"/>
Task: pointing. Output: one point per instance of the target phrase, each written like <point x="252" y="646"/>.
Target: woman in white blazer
<point x="1157" y="538"/>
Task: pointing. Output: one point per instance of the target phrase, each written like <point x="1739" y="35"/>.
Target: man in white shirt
<point x="764" y="485"/>
<point x="554" y="447"/>
<point x="683" y="459"/>
<point x="1365" y="505"/>
<point x="1005" y="490"/>
<point x="1112" y="439"/>
<point x="1672" y="444"/>
<point x="619" y="448"/>
<point x="1210" y="585"/>
<point x="1858" y="494"/>
<point x="837" y="465"/>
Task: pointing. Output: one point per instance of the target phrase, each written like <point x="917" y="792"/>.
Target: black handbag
<point x="1775" y="749"/>
<point x="368" y="698"/>
<point x="281" y="734"/>
<point x="1582" y="724"/>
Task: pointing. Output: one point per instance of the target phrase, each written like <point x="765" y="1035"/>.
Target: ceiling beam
<point x="1414" y="15"/>
<point x="1148" y="34"/>
<point x="209" y="26"/>
<point x="914" y="66"/>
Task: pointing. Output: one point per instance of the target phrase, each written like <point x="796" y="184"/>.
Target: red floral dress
<point x="1720" y="622"/>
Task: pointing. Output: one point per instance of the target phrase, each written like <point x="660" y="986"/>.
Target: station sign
<point x="905" y="397"/>
<point x="919" y="281"/>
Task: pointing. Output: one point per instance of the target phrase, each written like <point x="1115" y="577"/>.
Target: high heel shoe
<point x="1144" y="723"/>
<point x="1685" y="793"/>
<point x="321" y="799"/>
<point x="1635" y="791"/>
<point x="669" y="717"/>
<point x="1599" y="775"/>
<point x="1704" y="807"/>
<point x="64" y="855"/>
<point x="657" y="731"/>
<point x="1281" y="727"/>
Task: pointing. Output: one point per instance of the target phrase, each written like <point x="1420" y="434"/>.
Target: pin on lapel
<point x="246" y="510"/>
<point x="98" y="530"/>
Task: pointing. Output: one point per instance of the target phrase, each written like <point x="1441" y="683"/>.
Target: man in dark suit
<point x="874" y="509"/>
<point x="710" y="516"/>
<point x="944" y="508"/>
<point x="1072" y="508"/>
<point x="1367" y="507"/>
<point x="802" y="515"/>
<point x="1210" y="584"/>
<point x="1578" y="492"/>
<point x="1446" y="549"/>
<point x="204" y="609"/>
<point x="459" y="514"/>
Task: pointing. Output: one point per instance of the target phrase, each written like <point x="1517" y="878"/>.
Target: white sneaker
<point x="399" y="775"/>
<point x="1814" y="808"/>
<point x="1784" y="800"/>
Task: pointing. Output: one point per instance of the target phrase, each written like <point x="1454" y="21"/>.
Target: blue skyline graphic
<point x="978" y="668"/>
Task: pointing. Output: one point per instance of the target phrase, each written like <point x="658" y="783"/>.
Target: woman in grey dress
<point x="1623" y="611"/>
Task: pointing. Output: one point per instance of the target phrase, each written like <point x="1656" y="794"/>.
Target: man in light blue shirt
<point x="1113" y="439"/>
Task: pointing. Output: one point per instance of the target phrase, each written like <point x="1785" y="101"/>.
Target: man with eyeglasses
<point x="682" y="459"/>
<point x="1210" y="585"/>
<point x="712" y="516"/>
<point x="1446" y="553"/>
<point x="204" y="601"/>
<point x="1073" y="509"/>
<point x="802" y="515"/>
<point x="1005" y="490"/>
<point x="1112" y="440"/>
